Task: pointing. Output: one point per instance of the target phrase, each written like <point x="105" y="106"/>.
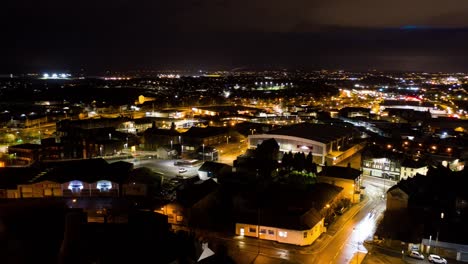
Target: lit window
<point x="283" y="234"/>
<point x="104" y="186"/>
<point x="75" y="186"/>
<point x="242" y="231"/>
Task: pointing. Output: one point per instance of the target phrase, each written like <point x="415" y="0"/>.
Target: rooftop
<point x="340" y="172"/>
<point x="317" y="132"/>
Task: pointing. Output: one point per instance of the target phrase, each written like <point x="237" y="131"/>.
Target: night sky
<point x="119" y="35"/>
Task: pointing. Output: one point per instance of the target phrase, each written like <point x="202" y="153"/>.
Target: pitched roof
<point x="291" y="209"/>
<point x="205" y="132"/>
<point x="26" y="146"/>
<point x="190" y="194"/>
<point x="87" y="170"/>
<point x="340" y="172"/>
<point x="10" y="177"/>
<point x="162" y="132"/>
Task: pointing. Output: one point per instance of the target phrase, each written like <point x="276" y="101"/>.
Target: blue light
<point x="413" y="27"/>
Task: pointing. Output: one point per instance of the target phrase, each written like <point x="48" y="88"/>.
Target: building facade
<point x="282" y="235"/>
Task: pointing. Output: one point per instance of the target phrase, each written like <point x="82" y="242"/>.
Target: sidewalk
<point x="322" y="241"/>
<point x="333" y="229"/>
<point x="389" y="255"/>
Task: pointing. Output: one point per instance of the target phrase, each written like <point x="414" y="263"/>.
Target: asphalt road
<point x="229" y="152"/>
<point x="339" y="245"/>
<point x="164" y="167"/>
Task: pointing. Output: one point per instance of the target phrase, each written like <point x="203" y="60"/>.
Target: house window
<point x="180" y="218"/>
<point x="271" y="232"/>
<point x="305" y="234"/>
<point x="283" y="234"/>
<point x="252" y="229"/>
<point x="262" y="231"/>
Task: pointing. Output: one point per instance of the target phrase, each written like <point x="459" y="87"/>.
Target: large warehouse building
<point x="324" y="141"/>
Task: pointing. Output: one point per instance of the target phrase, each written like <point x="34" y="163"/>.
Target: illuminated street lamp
<point x="203" y="147"/>
<point x="437" y="235"/>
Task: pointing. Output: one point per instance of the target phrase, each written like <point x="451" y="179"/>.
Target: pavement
<point x="334" y="228"/>
<point x="253" y="250"/>
<point x="381" y="254"/>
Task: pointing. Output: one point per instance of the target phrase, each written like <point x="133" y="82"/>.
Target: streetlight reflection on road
<point x="365" y="228"/>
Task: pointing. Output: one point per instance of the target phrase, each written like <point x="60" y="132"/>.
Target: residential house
<point x="397" y="198"/>
<point x="290" y="216"/>
<point x="345" y="177"/>
<point x="409" y="168"/>
<point x="189" y="208"/>
<point x="432" y="207"/>
<point x="198" y="136"/>
<point x="156" y="137"/>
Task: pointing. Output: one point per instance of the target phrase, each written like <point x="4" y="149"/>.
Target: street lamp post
<point x="383" y="193"/>
<point x="437" y="235"/>
<point x="429" y="249"/>
<point x="203" y="147"/>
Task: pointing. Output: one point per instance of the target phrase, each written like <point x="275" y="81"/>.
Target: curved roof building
<point x="320" y="139"/>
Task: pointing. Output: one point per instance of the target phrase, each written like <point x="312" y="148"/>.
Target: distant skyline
<point x="124" y="35"/>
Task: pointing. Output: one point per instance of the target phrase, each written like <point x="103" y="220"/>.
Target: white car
<point x="416" y="255"/>
<point x="436" y="259"/>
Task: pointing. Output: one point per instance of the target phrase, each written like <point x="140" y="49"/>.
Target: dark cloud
<point x="126" y="34"/>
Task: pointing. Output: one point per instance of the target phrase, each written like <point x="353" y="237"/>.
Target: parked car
<point x="436" y="259"/>
<point x="341" y="210"/>
<point x="415" y="254"/>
